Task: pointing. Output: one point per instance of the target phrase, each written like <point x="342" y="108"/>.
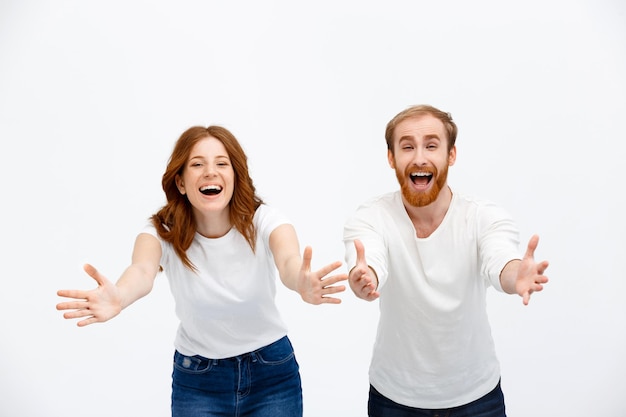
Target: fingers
<point x="82" y="294"/>
<point x="364" y="292"/>
<point x="368" y="292"/>
<point x="72" y="305"/>
<point x="541" y="268"/>
<point x="537" y="286"/>
<point x="78" y="294"/>
<point x="360" y="281"/>
<point x="92" y="306"/>
<point x="87" y="322"/>
<point x="358" y="278"/>
<point x="324" y="286"/>
<point x="362" y="284"/>
<point x="80" y="304"/>
<point x="80" y="309"/>
<point x="534" y="270"/>
<point x="327" y="291"/>
<point x="327" y="269"/>
<point x="329" y="300"/>
<point x="328" y="281"/>
<point x="78" y="313"/>
<point x="372" y="296"/>
<point x="328" y="285"/>
<point x="81" y="297"/>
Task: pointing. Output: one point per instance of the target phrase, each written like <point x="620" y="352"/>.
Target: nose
<point x="419" y="158"/>
<point x="210" y="171"/>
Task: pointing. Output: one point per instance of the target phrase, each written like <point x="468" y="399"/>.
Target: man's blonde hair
<point x="418" y="111"/>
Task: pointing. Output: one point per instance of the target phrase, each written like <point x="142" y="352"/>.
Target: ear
<point x="391" y="159"/>
<point x="452" y="156"/>
<point x="179" y="184"/>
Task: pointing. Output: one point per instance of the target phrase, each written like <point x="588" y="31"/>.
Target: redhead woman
<point x="222" y="249"/>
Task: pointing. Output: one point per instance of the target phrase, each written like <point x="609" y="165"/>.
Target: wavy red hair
<point x="175" y="222"/>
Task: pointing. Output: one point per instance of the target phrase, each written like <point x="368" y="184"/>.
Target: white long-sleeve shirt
<point x="228" y="307"/>
<point x="433" y="346"/>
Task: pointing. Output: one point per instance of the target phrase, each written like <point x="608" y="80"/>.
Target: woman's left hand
<point x="316" y="287"/>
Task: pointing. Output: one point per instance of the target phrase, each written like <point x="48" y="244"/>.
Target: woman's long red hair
<point x="175" y="222"/>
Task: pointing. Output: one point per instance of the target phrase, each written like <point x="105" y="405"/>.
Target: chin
<point x="417" y="199"/>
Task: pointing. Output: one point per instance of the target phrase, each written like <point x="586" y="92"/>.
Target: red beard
<point x="421" y="199"/>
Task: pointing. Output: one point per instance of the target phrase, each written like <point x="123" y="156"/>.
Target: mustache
<point x="415" y="168"/>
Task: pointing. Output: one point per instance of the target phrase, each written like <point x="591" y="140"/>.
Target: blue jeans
<point x="491" y="405"/>
<point x="262" y="383"/>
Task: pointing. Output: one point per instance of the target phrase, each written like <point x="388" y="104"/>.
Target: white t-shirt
<point x="433" y="346"/>
<point x="228" y="307"/>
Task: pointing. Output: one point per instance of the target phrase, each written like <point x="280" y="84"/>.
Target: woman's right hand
<point x="92" y="306"/>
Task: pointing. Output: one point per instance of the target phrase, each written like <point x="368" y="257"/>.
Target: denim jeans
<point x="262" y="383"/>
<point x="491" y="405"/>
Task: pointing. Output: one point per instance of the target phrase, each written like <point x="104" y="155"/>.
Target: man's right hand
<point x="362" y="278"/>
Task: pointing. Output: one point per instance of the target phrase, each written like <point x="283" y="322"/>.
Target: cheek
<point x="397" y="163"/>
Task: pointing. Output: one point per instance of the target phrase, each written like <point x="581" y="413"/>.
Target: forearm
<point x="289" y="272"/>
<point x="286" y="250"/>
<point x="135" y="283"/>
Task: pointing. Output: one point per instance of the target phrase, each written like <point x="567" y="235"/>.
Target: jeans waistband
<point x="238" y="358"/>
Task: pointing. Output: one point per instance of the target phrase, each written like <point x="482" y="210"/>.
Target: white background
<point x="94" y="94"/>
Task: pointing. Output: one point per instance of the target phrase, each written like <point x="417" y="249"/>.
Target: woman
<point x="220" y="247"/>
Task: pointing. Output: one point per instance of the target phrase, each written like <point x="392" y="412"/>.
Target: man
<point x="430" y="254"/>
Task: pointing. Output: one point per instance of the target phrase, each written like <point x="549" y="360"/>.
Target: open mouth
<point x="211" y="190"/>
<point x="421" y="178"/>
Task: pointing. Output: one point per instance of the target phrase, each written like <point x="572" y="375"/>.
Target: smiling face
<point x="208" y="178"/>
<point x="421" y="158"/>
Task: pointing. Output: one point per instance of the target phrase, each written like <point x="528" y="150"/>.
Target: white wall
<point x="94" y="94"/>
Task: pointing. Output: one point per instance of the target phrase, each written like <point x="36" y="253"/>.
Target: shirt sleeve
<point x="498" y="243"/>
<point x="266" y="220"/>
<point x="166" y="248"/>
<point x="365" y="226"/>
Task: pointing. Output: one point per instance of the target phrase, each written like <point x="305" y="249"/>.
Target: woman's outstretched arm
<point x="315" y="287"/>
<point x="107" y="300"/>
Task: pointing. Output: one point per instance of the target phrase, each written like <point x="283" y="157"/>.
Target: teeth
<point x="421" y="174"/>
<point x="210" y="187"/>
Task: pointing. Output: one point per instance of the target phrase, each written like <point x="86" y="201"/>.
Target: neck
<point x="213" y="225"/>
<point x="427" y="219"/>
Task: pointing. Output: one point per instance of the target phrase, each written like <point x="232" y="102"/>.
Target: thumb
<point x="532" y="245"/>
<point x="97" y="276"/>
<point x="306" y="258"/>
<point x="360" y="251"/>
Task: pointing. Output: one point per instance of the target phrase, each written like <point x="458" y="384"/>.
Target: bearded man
<point x="429" y="255"/>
